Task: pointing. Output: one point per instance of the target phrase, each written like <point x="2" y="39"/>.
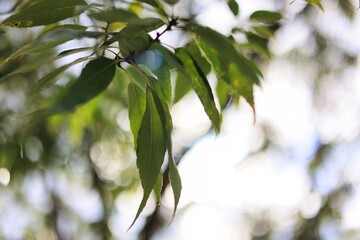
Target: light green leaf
<point x="233" y="6"/>
<point x="94" y="79"/>
<point x="267" y="17"/>
<point x="44" y="12"/>
<point x="137" y="105"/>
<point x="316" y="3"/>
<point x="224" y="57"/>
<point x="151" y="148"/>
<point x="263" y="31"/>
<point x="201" y="86"/>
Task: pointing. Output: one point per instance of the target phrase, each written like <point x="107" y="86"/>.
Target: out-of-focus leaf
<point x="52" y="38"/>
<point x="151" y="148"/>
<point x="156" y="5"/>
<point x="137" y="104"/>
<point x="267" y="17"/>
<point x="201" y="86"/>
<point x="224" y="57"/>
<point x="233" y="6"/>
<point x="347" y="7"/>
<point x="263" y="31"/>
<point x="316" y="3"/>
<point x="54" y="75"/>
<point x="115" y="15"/>
<point x="93" y="80"/>
<point x="45" y="12"/>
<point x="258" y="44"/>
<point x="172" y="2"/>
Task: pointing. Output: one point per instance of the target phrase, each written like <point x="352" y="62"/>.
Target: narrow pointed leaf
<point x="94" y="79"/>
<point x="201" y="86"/>
<point x="151" y="148"/>
<point x="52" y="38"/>
<point x="174" y="176"/>
<point x="224" y="57"/>
<point x="44" y="12"/>
<point x="158" y="188"/>
<point x="53" y="76"/>
<point x="137" y="104"/>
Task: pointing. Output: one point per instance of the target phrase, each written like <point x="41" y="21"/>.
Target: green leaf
<point x="316" y="3"/>
<point x="134" y="43"/>
<point x="224" y="57"/>
<point x="233" y="6"/>
<point x="156" y="5"/>
<point x="171" y="2"/>
<point x="137" y="104"/>
<point x="201" y="86"/>
<point x="44" y="12"/>
<point x="52" y="38"/>
<point x="182" y="87"/>
<point x="158" y="188"/>
<point x="263" y="31"/>
<point x="54" y="75"/>
<point x="267" y="17"/>
<point x="93" y="80"/>
<point x="174" y="176"/>
<point x="115" y="15"/>
<point x="154" y="60"/>
<point x="258" y="44"/>
<point x="151" y="148"/>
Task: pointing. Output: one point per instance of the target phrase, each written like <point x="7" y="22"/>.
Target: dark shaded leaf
<point x="267" y="17"/>
<point x="201" y="86"/>
<point x="44" y="12"/>
<point x="233" y="6"/>
<point x="93" y="80"/>
<point x="171" y="2"/>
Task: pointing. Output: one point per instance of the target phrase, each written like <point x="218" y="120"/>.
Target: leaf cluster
<point x="129" y="40"/>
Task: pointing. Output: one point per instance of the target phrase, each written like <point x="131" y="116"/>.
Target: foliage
<point x="127" y="50"/>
